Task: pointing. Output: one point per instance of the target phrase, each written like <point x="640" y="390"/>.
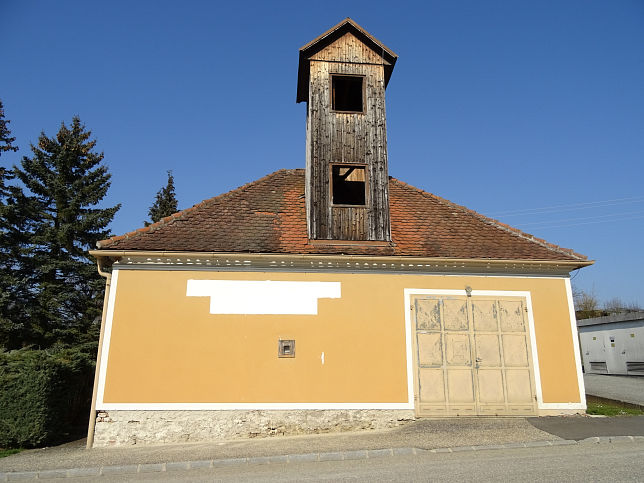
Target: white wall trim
<point x="101" y="405"/>
<point x="248" y="406"/>
<point x="575" y="343"/>
<point x="563" y="406"/>
<point x="409" y="292"/>
<point x="408" y="344"/>
<point x="105" y="350"/>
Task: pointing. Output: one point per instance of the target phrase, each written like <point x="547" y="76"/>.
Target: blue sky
<point x="531" y="112"/>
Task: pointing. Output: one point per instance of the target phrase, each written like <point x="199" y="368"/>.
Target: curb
<point x="294" y="458"/>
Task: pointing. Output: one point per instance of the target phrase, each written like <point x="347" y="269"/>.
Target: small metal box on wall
<point x="613" y="344"/>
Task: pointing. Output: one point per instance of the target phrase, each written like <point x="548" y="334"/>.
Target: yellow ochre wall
<point x="165" y="347"/>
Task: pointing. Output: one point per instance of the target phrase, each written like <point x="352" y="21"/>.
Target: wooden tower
<point x="342" y="77"/>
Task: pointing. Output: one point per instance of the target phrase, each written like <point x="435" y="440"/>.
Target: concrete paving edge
<point x="293" y="458"/>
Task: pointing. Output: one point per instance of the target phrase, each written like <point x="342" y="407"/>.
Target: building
<point x="332" y="297"/>
<point x="613" y="344"/>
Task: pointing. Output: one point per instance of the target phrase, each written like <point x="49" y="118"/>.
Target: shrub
<point x="46" y="395"/>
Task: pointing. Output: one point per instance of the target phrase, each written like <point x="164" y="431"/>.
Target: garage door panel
<point x="460" y="388"/>
<point x="490" y="384"/>
<point x="462" y="410"/>
<point x="515" y="350"/>
<point x="428" y="314"/>
<point x="488" y="350"/>
<point x="492" y="410"/>
<point x="518" y="386"/>
<point x="432" y="386"/>
<point x="457" y="349"/>
<point x="484" y="315"/>
<point x="430" y="349"/>
<point x="437" y="410"/>
<point x="511" y="315"/>
<point x="473" y="357"/>
<point x="521" y="410"/>
<point x="455" y="315"/>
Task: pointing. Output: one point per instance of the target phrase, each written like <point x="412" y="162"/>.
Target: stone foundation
<point x="153" y="427"/>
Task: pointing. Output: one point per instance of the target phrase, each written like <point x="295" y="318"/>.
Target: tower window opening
<point x="349" y="185"/>
<point x="346" y="93"/>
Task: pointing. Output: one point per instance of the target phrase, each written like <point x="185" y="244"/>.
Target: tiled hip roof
<point x="269" y="216"/>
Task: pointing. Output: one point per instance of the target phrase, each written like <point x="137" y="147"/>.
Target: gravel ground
<point x="425" y="434"/>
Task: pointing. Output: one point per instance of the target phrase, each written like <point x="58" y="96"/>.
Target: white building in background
<point x="613" y="344"/>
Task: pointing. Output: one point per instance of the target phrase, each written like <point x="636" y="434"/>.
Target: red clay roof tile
<point x="269" y="216"/>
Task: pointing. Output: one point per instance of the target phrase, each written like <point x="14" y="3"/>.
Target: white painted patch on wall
<point x="263" y="297"/>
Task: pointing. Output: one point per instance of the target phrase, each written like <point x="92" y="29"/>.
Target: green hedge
<point x="45" y="395"/>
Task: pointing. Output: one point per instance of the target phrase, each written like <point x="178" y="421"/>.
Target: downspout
<point x="92" y="412"/>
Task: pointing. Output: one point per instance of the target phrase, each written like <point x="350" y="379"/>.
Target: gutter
<point x="92" y="412"/>
<point x="316" y="258"/>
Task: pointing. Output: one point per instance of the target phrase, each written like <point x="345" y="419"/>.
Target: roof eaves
<point x="612" y="319"/>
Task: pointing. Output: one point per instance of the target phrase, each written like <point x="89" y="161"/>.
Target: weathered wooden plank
<point x="348" y="49"/>
<point x="348" y="223"/>
<point x="335" y="137"/>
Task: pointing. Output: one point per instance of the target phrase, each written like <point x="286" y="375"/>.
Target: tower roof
<point x="346" y="26"/>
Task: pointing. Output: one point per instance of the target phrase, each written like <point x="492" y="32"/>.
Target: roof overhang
<point x="167" y="260"/>
<point x="613" y="319"/>
<point x="330" y="36"/>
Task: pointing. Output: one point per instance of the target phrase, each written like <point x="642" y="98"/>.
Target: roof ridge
<point x="179" y="214"/>
<point x="351" y="23"/>
<point x="499" y="224"/>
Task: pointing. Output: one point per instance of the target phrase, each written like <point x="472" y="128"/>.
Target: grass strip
<point x="7" y="452"/>
<point x="607" y="409"/>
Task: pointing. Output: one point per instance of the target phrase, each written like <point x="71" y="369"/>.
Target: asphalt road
<point x="581" y="428"/>
<point x="584" y="462"/>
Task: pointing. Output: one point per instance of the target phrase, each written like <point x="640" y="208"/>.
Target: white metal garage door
<point x="472" y="356"/>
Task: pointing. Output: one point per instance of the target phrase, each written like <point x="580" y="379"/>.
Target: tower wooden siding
<point x="355" y="138"/>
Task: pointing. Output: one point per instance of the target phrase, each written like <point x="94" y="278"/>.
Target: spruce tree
<point x="5" y="135"/>
<point x="165" y="202"/>
<point x="6" y="144"/>
<point x="63" y="181"/>
<point x="12" y="282"/>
